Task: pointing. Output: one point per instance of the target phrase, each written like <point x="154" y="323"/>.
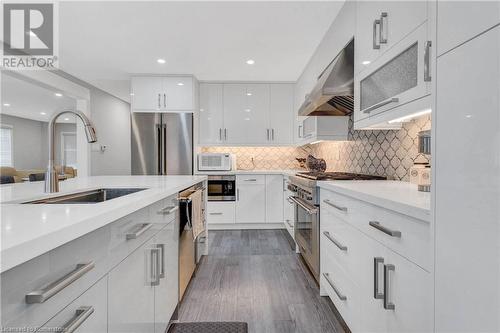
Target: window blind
<point x="6" y="146"/>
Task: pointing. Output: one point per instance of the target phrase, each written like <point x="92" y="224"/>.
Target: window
<point x="6" y="147"/>
<point x="68" y="149"/>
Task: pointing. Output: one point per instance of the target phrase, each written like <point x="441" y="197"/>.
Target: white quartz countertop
<point x="255" y="172"/>
<point x="402" y="197"/>
<point x="28" y="231"/>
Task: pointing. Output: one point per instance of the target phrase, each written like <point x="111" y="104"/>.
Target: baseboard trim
<point x="243" y="226"/>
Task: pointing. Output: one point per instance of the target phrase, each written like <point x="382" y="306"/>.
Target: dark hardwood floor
<point x="254" y="276"/>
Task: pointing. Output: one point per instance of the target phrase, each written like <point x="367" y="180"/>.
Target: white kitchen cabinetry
<point x="274" y="198"/>
<point x="162" y="93"/>
<point x="246" y="114"/>
<point x="374" y="288"/>
<point x="467" y="212"/>
<point x="220" y="212"/>
<point x="131" y="291"/>
<point x="86" y="314"/>
<point x="323" y="128"/>
<point x="246" y="107"/>
<point x="211" y="114"/>
<point x="281" y="115"/>
<point x="382" y="24"/>
<point x="459" y="21"/>
<point x="250" y="198"/>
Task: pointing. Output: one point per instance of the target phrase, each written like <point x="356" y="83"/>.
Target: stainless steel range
<point x="306" y="199"/>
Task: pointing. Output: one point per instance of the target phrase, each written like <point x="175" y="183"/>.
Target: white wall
<point x="111" y="116"/>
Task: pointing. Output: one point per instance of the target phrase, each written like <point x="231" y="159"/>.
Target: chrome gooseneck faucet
<point x="51" y="177"/>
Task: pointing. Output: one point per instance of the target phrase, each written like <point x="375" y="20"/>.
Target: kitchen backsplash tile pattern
<point x="386" y="153"/>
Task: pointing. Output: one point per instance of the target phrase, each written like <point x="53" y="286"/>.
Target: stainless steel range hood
<point x="333" y="94"/>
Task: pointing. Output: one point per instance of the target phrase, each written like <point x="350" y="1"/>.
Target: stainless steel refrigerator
<point x="162" y="143"/>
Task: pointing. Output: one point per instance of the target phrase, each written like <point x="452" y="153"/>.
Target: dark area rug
<point x="209" y="327"/>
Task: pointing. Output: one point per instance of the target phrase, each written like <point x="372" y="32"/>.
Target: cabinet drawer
<point x="251" y="179"/>
<point x="87" y="313"/>
<point x="53" y="279"/>
<point x="342" y="290"/>
<point x="220" y="212"/>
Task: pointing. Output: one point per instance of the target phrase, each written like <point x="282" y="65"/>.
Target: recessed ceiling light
<point x="58" y="94"/>
<point x="250" y="62"/>
<point x="161" y="61"/>
<point x="366" y="62"/>
<point x="247" y="110"/>
<point x="180" y="84"/>
<point x="131" y="94"/>
<point x="6" y="104"/>
<point x="66" y="119"/>
<point x="43" y="113"/>
<point x="249" y="94"/>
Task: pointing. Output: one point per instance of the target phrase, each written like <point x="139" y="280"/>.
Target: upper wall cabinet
<point x="395" y="80"/>
<point x="459" y="21"/>
<point x="163" y="93"/>
<point x="381" y="25"/>
<point x="246" y="114"/>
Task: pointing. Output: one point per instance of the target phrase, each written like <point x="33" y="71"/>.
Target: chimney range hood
<point x="333" y="94"/>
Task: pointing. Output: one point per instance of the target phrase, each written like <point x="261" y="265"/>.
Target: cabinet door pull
<point x="237" y="194"/>
<point x="328" y="202"/>
<point x="335" y="289"/>
<point x="168" y="210"/>
<point x="268" y="134"/>
<point x="159" y="97"/>
<point x="81" y="314"/>
<point x="382" y="39"/>
<point x="378" y="105"/>
<point x="388" y="305"/>
<point x="376" y="293"/>
<point x="427" y="61"/>
<point x="155" y="263"/>
<point x="272" y="134"/>
<point x="215" y="213"/>
<point x="165" y="101"/>
<point x="250" y="180"/>
<point x="385" y="230"/>
<point x="376" y="45"/>
<point x="220" y="134"/>
<point x="225" y="134"/>
<point x="300" y="136"/>
<point x="334" y="241"/>
<point x="40" y="296"/>
<point x="139" y="229"/>
<point x="161" y="260"/>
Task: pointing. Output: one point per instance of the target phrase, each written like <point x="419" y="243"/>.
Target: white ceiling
<point x="27" y="100"/>
<point x="104" y="42"/>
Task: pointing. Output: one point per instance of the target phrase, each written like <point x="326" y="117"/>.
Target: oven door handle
<point x="311" y="210"/>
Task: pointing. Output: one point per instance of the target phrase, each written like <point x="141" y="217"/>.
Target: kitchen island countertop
<point x="29" y="230"/>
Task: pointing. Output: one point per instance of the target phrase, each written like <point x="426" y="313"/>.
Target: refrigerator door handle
<point x="164" y="149"/>
<point x="159" y="148"/>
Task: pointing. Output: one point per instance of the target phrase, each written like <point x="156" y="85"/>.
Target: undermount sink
<point x="87" y="197"/>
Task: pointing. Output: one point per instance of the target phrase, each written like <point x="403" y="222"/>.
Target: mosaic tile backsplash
<point x="385" y="153"/>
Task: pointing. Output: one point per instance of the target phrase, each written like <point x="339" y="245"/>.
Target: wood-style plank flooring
<point x="254" y="276"/>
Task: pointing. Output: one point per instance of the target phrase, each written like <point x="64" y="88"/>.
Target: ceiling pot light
<point x="43" y="113"/>
<point x="249" y="94"/>
<point x="67" y="119"/>
<point x="161" y="61"/>
<point x="250" y="62"/>
<point x="366" y="62"/>
<point x="58" y="94"/>
<point x="6" y="104"/>
<point x="180" y="84"/>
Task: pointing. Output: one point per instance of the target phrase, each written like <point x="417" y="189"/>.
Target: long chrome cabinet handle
<point x="159" y="97"/>
<point x="341" y="296"/>
<point x="40" y="296"/>
<point x="376" y="263"/>
<point x="376" y="45"/>
<point x="81" y="314"/>
<point x="168" y="210"/>
<point x="272" y="134"/>
<point x="155" y="263"/>
<point x="385" y="230"/>
<point x="334" y="241"/>
<point x="225" y="134"/>
<point x="139" y="230"/>
<point x="220" y="134"/>
<point x="427" y="61"/>
<point x="161" y="260"/>
<point x="250" y="180"/>
<point x="378" y="105"/>
<point x="382" y="40"/>
<point x="328" y="202"/>
<point x="300" y="135"/>
<point x="388" y="305"/>
<point x="268" y="134"/>
<point x="215" y="213"/>
<point x="165" y="100"/>
<point x="309" y="210"/>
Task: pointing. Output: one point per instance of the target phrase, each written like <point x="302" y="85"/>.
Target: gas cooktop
<point x="337" y="176"/>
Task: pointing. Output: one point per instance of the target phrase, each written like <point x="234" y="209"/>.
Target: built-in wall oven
<point x="221" y="188"/>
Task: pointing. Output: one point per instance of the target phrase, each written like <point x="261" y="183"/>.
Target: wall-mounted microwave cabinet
<point x="246" y="114"/>
<point x="163" y="93"/>
<point x="393" y="61"/>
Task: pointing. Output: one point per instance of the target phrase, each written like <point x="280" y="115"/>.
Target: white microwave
<point x="215" y="162"/>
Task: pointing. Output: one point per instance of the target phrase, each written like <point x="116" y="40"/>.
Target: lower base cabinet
<point x="86" y="314"/>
